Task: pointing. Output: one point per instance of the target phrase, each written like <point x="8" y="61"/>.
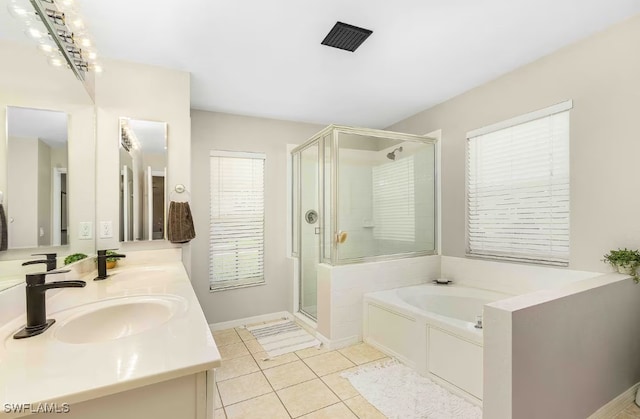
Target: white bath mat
<point x="401" y="393"/>
<point x="282" y="337"/>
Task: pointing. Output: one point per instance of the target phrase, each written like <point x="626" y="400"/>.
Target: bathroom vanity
<point x="134" y="345"/>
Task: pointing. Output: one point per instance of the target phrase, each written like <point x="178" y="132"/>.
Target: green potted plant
<point x="74" y="258"/>
<point x="624" y="260"/>
<point x="111" y="262"/>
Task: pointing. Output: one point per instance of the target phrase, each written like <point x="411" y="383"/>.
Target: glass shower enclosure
<point x="360" y="195"/>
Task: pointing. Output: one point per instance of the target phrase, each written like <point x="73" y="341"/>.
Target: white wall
<point x="600" y="74"/>
<point x="22" y="159"/>
<point x="218" y="131"/>
<point x="144" y="92"/>
<point x="45" y="213"/>
<point x="26" y="80"/>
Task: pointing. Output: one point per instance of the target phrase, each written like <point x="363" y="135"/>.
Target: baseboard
<point x="305" y="321"/>
<point x="616" y="405"/>
<point x="337" y="343"/>
<point x="250" y="320"/>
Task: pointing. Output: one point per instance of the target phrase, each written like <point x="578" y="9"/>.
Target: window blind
<point x="518" y="189"/>
<point x="394" y="200"/>
<point x="237" y="219"/>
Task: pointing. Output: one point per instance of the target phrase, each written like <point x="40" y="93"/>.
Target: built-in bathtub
<point x="432" y="328"/>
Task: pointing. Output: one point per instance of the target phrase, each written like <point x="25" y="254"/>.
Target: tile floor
<point x="630" y="412"/>
<point x="302" y="384"/>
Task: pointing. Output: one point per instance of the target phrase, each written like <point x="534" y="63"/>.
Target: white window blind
<point x="237" y="219"/>
<point x="518" y="188"/>
<point x="394" y="200"/>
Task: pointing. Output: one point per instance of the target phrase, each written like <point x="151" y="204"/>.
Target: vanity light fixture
<point x="50" y="23"/>
<point x="128" y="138"/>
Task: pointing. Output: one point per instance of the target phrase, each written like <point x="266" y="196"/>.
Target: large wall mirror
<point x="143" y="174"/>
<point x="47" y="159"/>
<point x="35" y="203"/>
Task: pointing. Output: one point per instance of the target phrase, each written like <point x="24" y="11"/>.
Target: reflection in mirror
<point x="143" y="170"/>
<point x="37" y="194"/>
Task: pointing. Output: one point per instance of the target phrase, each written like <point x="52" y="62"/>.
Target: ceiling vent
<point x="346" y="37"/>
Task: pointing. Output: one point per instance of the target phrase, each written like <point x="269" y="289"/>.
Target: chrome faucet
<point x="102" y="263"/>
<point x="36" y="288"/>
<point x="50" y="261"/>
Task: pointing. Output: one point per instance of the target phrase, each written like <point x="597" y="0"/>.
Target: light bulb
<point x="85" y="42"/>
<point x="77" y="24"/>
<point x="97" y="68"/>
<point x="35" y="33"/>
<point x="47" y="48"/>
<point x="19" y="11"/>
<point x="92" y="55"/>
<point x="56" y="62"/>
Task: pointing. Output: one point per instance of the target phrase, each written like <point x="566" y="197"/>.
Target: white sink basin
<point x="118" y="318"/>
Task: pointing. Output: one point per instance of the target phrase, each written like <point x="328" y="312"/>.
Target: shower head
<point x="392" y="155"/>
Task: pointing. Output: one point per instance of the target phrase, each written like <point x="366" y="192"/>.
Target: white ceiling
<point x="264" y="57"/>
<point x="48" y="126"/>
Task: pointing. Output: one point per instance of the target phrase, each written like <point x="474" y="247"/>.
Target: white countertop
<point x="9" y="281"/>
<point x="44" y="369"/>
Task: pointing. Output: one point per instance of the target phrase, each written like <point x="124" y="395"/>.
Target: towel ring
<point x="178" y="190"/>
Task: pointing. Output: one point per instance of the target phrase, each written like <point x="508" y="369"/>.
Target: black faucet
<point x="37" y="321"/>
<point x="102" y="263"/>
<point x="50" y="261"/>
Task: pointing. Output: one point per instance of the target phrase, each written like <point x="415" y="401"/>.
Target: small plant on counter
<point x="111" y="252"/>
<point x="624" y="260"/>
<point x="74" y="258"/>
<point x="111" y="262"/>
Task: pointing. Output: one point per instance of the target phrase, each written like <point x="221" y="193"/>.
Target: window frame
<point x="565" y="106"/>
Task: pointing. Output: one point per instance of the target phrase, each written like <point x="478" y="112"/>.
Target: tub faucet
<point x="478" y="324"/>
<point x="36" y="288"/>
<point x="102" y="263"/>
<point x="50" y="260"/>
<point x="442" y="281"/>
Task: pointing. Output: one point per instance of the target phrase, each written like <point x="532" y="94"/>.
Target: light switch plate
<point x="106" y="229"/>
<point x="86" y="230"/>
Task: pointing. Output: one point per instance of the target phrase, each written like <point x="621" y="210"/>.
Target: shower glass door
<point x="309" y="229"/>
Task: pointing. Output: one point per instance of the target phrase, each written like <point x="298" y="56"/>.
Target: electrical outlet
<point x="106" y="229"/>
<point x="86" y="230"/>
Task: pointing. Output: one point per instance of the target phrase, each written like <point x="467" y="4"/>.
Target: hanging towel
<point x="3" y="229"/>
<point x="180" y="226"/>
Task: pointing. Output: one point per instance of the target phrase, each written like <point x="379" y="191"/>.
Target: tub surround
<point x="172" y="357"/>
<point x="509" y="278"/>
<point x="341" y="290"/>
<point x="549" y="335"/>
<point x="431" y="328"/>
<point x="562" y="352"/>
